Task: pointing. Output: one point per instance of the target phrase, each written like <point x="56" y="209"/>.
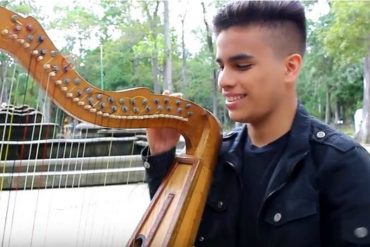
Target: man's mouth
<point x="230" y="99"/>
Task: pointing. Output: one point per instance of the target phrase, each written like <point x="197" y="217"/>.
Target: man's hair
<point x="285" y="19"/>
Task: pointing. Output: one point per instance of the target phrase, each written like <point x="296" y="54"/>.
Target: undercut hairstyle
<point x="285" y="21"/>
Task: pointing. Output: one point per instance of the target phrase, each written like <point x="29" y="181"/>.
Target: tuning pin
<point x="30" y="37"/>
<point x="21" y="41"/>
<point x="87" y="107"/>
<point x="105" y="114"/>
<point x="14" y="36"/>
<point x="76" y="99"/>
<point x="52" y="74"/>
<point x="46" y="66"/>
<point x="41" y="39"/>
<point x="43" y="52"/>
<point x="35" y="52"/>
<point x="58" y="82"/>
<point x="26" y="45"/>
<point x="76" y="80"/>
<point x="99" y="113"/>
<point x="29" y="27"/>
<point x="92" y="110"/>
<point x="81" y="103"/>
<point x="69" y="95"/>
<point x="4" y="32"/>
<point x="64" y="89"/>
<point x="39" y="58"/>
<point x="17" y="28"/>
<point x="14" y="18"/>
<point x="54" y="68"/>
<point x="53" y="53"/>
<point x="67" y="68"/>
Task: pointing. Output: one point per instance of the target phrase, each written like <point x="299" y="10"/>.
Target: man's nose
<point x="226" y="78"/>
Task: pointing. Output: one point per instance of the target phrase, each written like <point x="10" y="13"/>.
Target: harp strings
<point x="36" y="167"/>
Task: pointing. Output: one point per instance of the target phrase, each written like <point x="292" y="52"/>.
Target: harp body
<point x="174" y="214"/>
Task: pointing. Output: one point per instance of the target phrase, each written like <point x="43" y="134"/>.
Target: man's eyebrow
<point x="237" y="57"/>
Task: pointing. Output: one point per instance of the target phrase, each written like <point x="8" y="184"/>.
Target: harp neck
<point x="26" y="40"/>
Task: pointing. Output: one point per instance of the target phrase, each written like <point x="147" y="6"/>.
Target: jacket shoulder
<point x="230" y="135"/>
<point x="230" y="138"/>
<point x="323" y="134"/>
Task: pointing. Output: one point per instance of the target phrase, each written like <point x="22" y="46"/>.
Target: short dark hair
<point x="286" y="18"/>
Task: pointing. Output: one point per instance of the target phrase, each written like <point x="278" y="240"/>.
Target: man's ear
<point x="293" y="65"/>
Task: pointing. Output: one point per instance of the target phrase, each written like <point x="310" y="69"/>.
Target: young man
<point x="283" y="179"/>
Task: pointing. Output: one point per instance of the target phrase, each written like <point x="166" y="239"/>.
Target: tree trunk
<point x="153" y="22"/>
<point x="363" y="135"/>
<point x="135" y="64"/>
<point x="167" y="77"/>
<point x="183" y="67"/>
<point x="214" y="72"/>
<point x="336" y="112"/>
<point x="327" y="105"/>
<point x="157" y="88"/>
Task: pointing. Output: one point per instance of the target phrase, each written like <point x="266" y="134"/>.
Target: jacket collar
<point x="297" y="148"/>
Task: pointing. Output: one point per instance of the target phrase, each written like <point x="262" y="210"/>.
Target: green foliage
<point x="328" y="72"/>
<point x="199" y="84"/>
<point x="348" y="37"/>
<point x="21" y="6"/>
<point x="130" y="33"/>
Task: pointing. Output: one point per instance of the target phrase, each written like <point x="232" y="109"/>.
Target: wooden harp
<point x="174" y="214"/>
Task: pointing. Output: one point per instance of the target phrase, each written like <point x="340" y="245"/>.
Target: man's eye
<point x="244" y="66"/>
<point x="220" y="67"/>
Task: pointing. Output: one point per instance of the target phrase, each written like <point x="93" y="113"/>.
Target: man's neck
<point x="273" y="127"/>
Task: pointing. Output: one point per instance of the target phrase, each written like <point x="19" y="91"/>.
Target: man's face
<point x="251" y="74"/>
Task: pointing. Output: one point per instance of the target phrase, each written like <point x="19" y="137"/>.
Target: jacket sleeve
<point x="346" y="195"/>
<point x="156" y="167"/>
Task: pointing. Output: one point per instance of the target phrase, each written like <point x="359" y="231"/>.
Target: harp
<point x="173" y="216"/>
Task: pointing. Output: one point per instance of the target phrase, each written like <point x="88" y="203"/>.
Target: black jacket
<point x="318" y="194"/>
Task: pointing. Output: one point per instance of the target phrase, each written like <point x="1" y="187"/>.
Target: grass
<point x="347" y="129"/>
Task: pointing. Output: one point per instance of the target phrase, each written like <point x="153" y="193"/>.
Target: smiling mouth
<point x="230" y="99"/>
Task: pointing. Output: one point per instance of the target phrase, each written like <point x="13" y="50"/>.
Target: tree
<point x="151" y="11"/>
<point x="80" y="25"/>
<point x="167" y="75"/>
<point x="347" y="39"/>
